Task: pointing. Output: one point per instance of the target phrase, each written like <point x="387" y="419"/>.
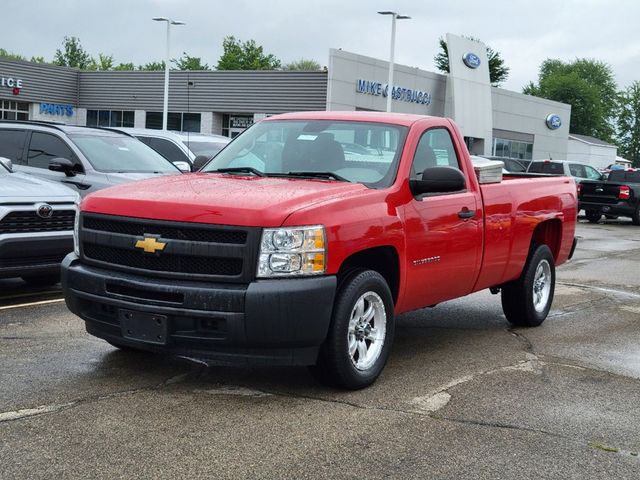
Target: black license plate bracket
<point x="143" y="326"/>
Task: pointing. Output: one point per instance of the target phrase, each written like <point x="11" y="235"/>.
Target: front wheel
<point x="361" y="333"/>
<point x="526" y="301"/>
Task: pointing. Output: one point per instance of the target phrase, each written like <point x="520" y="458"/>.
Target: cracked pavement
<point x="464" y="395"/>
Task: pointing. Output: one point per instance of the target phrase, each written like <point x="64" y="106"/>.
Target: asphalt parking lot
<point x="464" y="395"/>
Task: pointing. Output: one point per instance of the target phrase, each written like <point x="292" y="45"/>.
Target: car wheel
<point x="42" y="280"/>
<point x="361" y="332"/>
<point x="635" y="218"/>
<point x="593" y="216"/>
<point x="526" y="301"/>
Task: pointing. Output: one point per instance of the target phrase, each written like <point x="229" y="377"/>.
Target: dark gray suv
<point x="84" y="158"/>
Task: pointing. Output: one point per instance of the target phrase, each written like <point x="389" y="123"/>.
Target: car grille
<point x="29" y="222"/>
<point x="192" y="251"/>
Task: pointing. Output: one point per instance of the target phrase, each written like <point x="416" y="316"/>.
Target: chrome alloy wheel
<point x="541" y="286"/>
<point x="367" y="329"/>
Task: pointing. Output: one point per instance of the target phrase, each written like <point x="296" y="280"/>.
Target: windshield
<point x="552" y="168"/>
<point x="120" y="153"/>
<point x="359" y="152"/>
<point x="208" y="149"/>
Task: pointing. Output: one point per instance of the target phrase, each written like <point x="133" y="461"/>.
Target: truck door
<point x="444" y="231"/>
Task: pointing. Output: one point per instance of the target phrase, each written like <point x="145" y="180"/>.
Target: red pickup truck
<point x="306" y="236"/>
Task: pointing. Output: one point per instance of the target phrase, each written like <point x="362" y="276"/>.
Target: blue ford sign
<point x="554" y="121"/>
<point x="471" y="60"/>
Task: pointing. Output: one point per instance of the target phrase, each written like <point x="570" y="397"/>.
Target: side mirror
<point x="199" y="162"/>
<point x="6" y="163"/>
<point x="62" y="165"/>
<point x="438" y="180"/>
<point x="184" y="167"/>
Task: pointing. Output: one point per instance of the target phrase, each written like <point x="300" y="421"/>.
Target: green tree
<point x="187" y="62"/>
<point x="152" y="66"/>
<point x="588" y="86"/>
<point x="9" y="55"/>
<point x="72" y="54"/>
<point x="628" y="124"/>
<point x="125" y="66"/>
<point x="104" y="62"/>
<point x="498" y="71"/>
<point x="238" y="55"/>
<point x="303" y="64"/>
<point x="38" y="60"/>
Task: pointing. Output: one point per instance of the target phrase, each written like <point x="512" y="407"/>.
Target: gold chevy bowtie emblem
<point x="150" y="245"/>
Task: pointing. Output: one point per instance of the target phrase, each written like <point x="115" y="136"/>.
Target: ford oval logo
<point x="471" y="60"/>
<point x="554" y="121"/>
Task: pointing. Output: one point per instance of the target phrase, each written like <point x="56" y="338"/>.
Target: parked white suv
<point x="36" y="226"/>
<point x="180" y="147"/>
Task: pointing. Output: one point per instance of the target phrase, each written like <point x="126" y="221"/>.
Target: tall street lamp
<point x="394" y="16"/>
<point x="165" y="110"/>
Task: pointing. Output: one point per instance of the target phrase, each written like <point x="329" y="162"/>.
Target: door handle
<point x="466" y="213"/>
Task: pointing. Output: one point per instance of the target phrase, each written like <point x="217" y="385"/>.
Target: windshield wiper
<point x="256" y="172"/>
<point x="327" y="175"/>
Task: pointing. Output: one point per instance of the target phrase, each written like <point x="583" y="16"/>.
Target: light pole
<point x="394" y="16"/>
<point x="165" y="109"/>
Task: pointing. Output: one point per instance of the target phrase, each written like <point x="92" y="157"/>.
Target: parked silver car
<point x="579" y="171"/>
<point x="180" y="147"/>
<point x="36" y="226"/>
<point x="84" y="158"/>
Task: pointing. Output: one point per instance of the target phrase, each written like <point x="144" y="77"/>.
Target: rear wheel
<point x="360" y="335"/>
<point x="593" y="216"/>
<point x="635" y="218"/>
<point x="526" y="301"/>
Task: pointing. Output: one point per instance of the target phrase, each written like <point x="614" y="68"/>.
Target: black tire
<point x="42" y="280"/>
<point x="518" y="296"/>
<point x="335" y="366"/>
<point x="593" y="216"/>
<point x="635" y="218"/>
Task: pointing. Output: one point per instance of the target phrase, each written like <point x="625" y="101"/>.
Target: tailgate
<point x="600" y="192"/>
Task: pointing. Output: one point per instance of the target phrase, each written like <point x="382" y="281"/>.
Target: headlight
<point x="76" y="228"/>
<point x="292" y="252"/>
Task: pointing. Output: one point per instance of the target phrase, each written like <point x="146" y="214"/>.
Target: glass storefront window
<point x="12" y="110"/>
<point x="110" y="118"/>
<point x="512" y="149"/>
<point x="180" y="122"/>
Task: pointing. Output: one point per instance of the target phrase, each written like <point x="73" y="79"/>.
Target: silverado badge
<point x="150" y="245"/>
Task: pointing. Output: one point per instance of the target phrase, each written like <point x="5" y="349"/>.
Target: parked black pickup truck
<point x="619" y="195"/>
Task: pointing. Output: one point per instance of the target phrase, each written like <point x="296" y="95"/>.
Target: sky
<point x="524" y="32"/>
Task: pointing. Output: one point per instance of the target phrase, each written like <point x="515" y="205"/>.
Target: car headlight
<point x="76" y="228"/>
<point x="292" y="252"/>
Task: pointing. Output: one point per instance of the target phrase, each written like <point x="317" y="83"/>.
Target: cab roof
<point x="404" y="119"/>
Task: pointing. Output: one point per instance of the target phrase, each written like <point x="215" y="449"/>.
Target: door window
<point x="11" y="144"/>
<point x="168" y="150"/>
<point x="435" y="149"/>
<point x="577" y="170"/>
<point x="45" y="147"/>
<point x="593" y="174"/>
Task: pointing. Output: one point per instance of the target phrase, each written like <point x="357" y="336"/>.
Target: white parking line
<point x="31" y="304"/>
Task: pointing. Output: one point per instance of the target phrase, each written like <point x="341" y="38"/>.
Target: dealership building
<point x="493" y="121"/>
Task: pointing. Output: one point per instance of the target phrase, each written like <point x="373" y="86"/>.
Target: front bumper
<point x="275" y="322"/>
<point x="32" y="254"/>
<point x="622" y="208"/>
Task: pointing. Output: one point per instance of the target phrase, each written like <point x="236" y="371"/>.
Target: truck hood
<point x="22" y="187"/>
<point x="217" y="198"/>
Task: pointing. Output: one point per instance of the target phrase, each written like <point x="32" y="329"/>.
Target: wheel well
<point x="548" y="233"/>
<point x="383" y="260"/>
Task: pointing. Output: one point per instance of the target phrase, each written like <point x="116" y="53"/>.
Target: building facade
<point x="493" y="121"/>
